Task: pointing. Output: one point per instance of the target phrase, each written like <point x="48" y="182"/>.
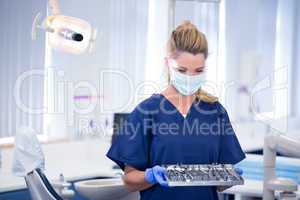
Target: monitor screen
<point x="119" y="119"/>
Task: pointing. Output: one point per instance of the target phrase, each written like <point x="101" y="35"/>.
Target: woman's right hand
<point x="156" y="174"/>
<point x="136" y="180"/>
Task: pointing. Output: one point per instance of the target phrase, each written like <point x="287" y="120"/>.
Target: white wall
<point x="158" y="35"/>
<point x="261" y="38"/>
<point x="285" y="54"/>
<point x="296" y="64"/>
<point x="250" y="46"/>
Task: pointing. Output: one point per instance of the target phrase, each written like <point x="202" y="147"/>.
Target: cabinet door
<point x="15" y="195"/>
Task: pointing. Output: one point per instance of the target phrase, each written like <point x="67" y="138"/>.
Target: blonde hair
<point x="187" y="38"/>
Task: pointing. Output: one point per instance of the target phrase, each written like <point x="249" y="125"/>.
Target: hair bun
<point x="186" y="22"/>
<point x="187" y="38"/>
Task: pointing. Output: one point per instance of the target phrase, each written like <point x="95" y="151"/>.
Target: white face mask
<point x="185" y="84"/>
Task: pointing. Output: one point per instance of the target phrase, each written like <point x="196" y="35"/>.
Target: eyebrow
<point x="179" y="66"/>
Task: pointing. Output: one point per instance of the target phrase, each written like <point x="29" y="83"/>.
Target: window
<point x="21" y="68"/>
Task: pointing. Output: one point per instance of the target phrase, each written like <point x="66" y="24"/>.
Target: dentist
<point x="182" y="124"/>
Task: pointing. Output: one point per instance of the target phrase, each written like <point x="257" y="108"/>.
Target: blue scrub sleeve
<point x="230" y="148"/>
<point x="132" y="142"/>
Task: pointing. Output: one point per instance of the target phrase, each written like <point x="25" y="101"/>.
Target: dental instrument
<point x="203" y="175"/>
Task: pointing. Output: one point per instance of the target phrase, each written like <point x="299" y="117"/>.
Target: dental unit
<point x="272" y="144"/>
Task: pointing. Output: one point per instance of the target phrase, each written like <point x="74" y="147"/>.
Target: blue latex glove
<point x="239" y="171"/>
<point x="156" y="174"/>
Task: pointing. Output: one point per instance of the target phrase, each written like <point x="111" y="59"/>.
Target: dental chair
<point x="39" y="186"/>
<point x="29" y="162"/>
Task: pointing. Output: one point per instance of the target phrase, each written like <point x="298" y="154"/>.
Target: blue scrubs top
<point x="155" y="133"/>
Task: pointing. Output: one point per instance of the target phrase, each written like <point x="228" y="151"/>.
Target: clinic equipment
<point x="203" y="175"/>
<point x="253" y="168"/>
<point x="285" y="145"/>
<point x="109" y="188"/>
<point x="41" y="189"/>
<point x="65" y="33"/>
<point x="118" y="122"/>
<point x="29" y="162"/>
<point x="28" y="154"/>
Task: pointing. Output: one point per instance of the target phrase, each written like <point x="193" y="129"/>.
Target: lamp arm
<point x="283" y="144"/>
<point x="54" y="7"/>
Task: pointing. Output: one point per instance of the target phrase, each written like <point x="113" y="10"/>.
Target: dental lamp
<point x="65" y="33"/>
<point x="278" y="143"/>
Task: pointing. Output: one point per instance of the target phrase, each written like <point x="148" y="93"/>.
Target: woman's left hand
<point x="239" y="171"/>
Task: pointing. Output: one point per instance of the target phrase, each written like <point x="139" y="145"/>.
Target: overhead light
<point x="65" y="33"/>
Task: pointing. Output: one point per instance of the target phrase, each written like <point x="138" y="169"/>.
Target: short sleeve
<point x="132" y="142"/>
<point x="230" y="149"/>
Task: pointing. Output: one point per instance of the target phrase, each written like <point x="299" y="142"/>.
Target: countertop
<point x="75" y="160"/>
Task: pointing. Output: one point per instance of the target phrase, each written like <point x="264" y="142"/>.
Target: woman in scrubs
<point x="183" y="124"/>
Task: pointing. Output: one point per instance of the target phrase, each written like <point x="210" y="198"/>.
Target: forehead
<point x="186" y="59"/>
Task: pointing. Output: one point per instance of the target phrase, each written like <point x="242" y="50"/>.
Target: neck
<point x="173" y="93"/>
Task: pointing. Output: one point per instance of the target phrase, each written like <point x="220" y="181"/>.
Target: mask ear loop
<point x="172" y="63"/>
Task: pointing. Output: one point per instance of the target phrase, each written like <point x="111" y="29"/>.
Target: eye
<point x="200" y="70"/>
<point x="181" y="70"/>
